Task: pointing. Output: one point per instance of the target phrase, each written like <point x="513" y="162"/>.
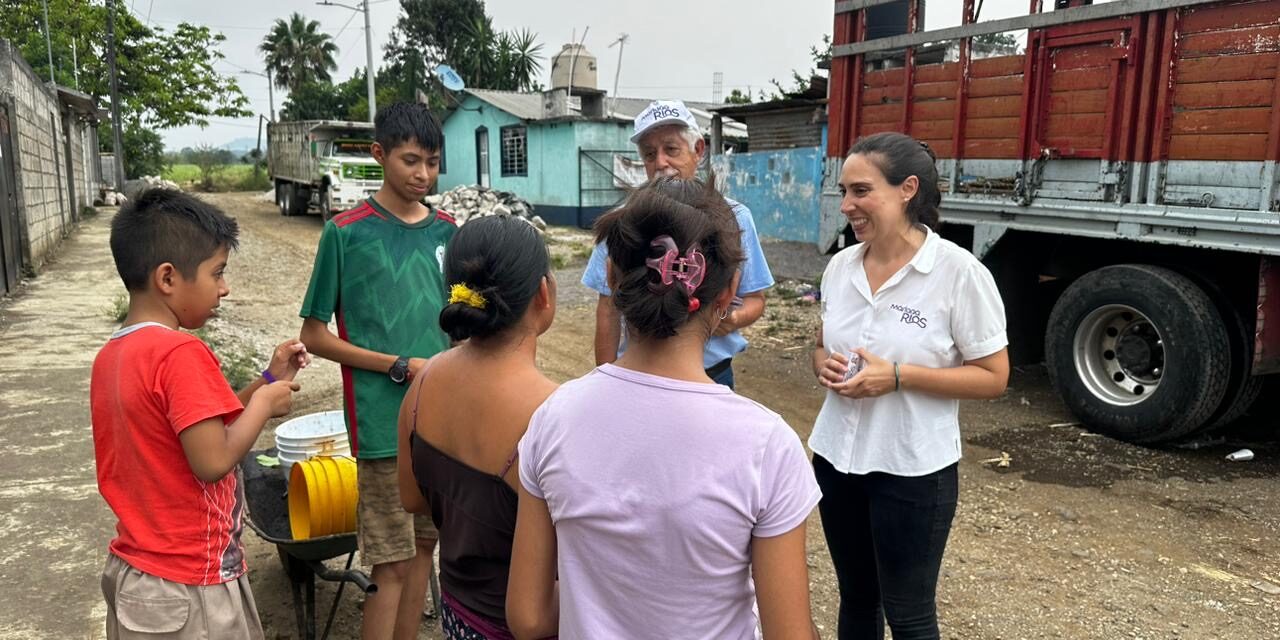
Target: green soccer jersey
<point x="384" y="280"/>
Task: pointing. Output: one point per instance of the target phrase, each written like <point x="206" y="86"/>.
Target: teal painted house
<point x="570" y="157"/>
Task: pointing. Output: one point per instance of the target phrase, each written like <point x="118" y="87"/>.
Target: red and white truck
<point x="1118" y="177"/>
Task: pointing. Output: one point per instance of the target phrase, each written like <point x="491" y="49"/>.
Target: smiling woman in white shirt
<point x="911" y="324"/>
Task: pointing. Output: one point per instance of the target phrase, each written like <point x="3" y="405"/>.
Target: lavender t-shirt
<point x="656" y="488"/>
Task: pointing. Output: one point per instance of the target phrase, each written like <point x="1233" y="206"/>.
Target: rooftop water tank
<point x="582" y="69"/>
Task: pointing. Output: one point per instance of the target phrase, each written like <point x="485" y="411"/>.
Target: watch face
<point x="398" y="371"/>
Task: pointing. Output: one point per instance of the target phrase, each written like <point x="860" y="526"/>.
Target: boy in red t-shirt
<point x="169" y="432"/>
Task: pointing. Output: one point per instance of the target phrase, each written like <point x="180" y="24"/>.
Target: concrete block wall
<point x="40" y="163"/>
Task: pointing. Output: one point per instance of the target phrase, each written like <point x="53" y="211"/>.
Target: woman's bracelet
<point x="897" y="376"/>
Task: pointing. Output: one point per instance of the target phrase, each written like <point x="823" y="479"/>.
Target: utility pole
<point x="368" y="47"/>
<point x="271" y="99"/>
<point x="621" y="42"/>
<point x="75" y="64"/>
<point x="118" y="145"/>
<point x="48" y="44"/>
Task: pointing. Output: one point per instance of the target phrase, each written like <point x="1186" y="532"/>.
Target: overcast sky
<point x="674" y="50"/>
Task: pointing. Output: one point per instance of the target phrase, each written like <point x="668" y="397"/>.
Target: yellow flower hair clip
<point x="466" y="295"/>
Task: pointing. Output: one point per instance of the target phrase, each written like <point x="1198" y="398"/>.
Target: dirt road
<point x="1078" y="537"/>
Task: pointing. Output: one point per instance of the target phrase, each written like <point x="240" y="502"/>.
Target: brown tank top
<point x="475" y="512"/>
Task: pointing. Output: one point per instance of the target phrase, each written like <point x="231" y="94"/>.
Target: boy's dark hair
<point x="401" y="122"/>
<point x="163" y="225"/>
<point x="899" y="156"/>
<point x="503" y="259"/>
<point x="690" y="211"/>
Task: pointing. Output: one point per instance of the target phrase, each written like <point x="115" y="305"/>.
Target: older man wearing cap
<point x="671" y="144"/>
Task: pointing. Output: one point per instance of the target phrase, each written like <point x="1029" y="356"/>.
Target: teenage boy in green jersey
<point x="378" y="269"/>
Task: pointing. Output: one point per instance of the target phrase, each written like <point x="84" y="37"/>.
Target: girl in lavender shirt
<point x="665" y="504"/>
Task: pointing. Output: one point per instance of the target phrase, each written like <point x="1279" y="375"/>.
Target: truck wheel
<point x="1138" y="352"/>
<point x="286" y="199"/>
<point x="1243" y="387"/>
<point x="326" y="205"/>
<point x="298" y="200"/>
<point x="281" y="188"/>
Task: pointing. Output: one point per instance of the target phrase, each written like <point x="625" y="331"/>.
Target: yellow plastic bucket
<point x="322" y="497"/>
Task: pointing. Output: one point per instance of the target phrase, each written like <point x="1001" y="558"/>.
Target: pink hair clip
<point x="689" y="269"/>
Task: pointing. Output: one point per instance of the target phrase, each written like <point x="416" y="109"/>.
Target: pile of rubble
<point x="133" y="187"/>
<point x="467" y="202"/>
<point x="109" y="198"/>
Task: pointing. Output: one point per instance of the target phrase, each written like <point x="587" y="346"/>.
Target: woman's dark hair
<point x="898" y="157"/>
<point x="691" y="212"/>
<point x="503" y="259"/>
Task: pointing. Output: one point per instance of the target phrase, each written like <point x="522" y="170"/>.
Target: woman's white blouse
<point x="940" y="310"/>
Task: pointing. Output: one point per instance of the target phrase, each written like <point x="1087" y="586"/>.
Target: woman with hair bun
<point x="655" y="495"/>
<point x="468" y="408"/>
<point x="911" y="323"/>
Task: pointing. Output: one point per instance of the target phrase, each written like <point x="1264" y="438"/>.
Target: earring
<point x="724" y="313"/>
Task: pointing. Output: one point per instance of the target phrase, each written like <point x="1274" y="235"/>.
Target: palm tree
<point x="298" y="53"/>
<point x="506" y="60"/>
<point x="522" y="56"/>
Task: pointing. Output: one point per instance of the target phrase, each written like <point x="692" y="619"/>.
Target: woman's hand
<point x="831" y="371"/>
<point x="875" y="379"/>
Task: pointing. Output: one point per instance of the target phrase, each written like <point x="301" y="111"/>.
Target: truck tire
<point x="299" y="197"/>
<point x="1243" y="387"/>
<point x="281" y="187"/>
<point x="1109" y="338"/>
<point x="326" y="204"/>
<point x="286" y="199"/>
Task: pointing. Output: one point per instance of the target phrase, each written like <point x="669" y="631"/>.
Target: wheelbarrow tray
<point x="268" y="514"/>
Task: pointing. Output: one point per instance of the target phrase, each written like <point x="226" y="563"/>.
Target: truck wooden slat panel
<point x="1203" y="121"/>
<point x="1071" y="102"/>
<point x="1082" y="126"/>
<point x="1210" y="95"/>
<point x="934" y="110"/>
<point x="1263" y="39"/>
<point x="1258" y="66"/>
<point x="870" y="128"/>
<point x="999" y="86"/>
<point x="1082" y="57"/>
<point x="998" y="107"/>
<point x="1079" y="79"/>
<point x="994" y="67"/>
<point x="934" y="90"/>
<point x="995" y="149"/>
<point x="885" y="77"/>
<point x="883" y="95"/>
<point x="932" y="129"/>
<point x="945" y="72"/>
<point x="991" y="128"/>
<point x="881" y="113"/>
<point x="1218" y="147"/>
<point x="941" y="148"/>
<point x="1232" y="16"/>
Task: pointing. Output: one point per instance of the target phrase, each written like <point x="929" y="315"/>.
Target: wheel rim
<point x="1119" y="354"/>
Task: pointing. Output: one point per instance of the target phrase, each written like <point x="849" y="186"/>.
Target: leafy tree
<point x="144" y="151"/>
<point x="458" y="33"/>
<point x="211" y="162"/>
<point x="738" y="97"/>
<point x="996" y="44"/>
<point x="298" y="53"/>
<point x="167" y="77"/>
<point x="325" y="101"/>
<point x="821" y="56"/>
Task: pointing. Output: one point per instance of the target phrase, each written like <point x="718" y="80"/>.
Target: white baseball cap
<point x="663" y="112"/>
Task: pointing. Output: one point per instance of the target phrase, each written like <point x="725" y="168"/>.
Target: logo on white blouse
<point x="910" y="316"/>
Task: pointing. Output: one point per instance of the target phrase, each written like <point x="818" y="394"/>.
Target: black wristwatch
<point x="399" y="372"/>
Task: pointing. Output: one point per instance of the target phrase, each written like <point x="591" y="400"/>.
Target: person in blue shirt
<point x="670" y="144"/>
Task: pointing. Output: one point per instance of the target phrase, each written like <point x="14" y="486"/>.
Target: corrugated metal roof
<point x="528" y="106"/>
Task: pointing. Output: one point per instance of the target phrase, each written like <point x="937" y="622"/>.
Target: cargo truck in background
<point x="1117" y="176"/>
<point x="321" y="164"/>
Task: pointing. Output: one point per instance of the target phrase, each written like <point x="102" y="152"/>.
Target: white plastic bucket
<point x="314" y="434"/>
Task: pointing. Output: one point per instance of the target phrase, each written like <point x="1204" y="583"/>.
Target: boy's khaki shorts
<point x="144" y="606"/>
<point x="386" y="532"/>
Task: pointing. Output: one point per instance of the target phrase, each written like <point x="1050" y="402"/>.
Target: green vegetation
<point x="119" y="308"/>
<point x="229" y="177"/>
<point x="240" y="364"/>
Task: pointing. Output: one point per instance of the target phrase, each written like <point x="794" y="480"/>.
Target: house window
<point x="515" y="151"/>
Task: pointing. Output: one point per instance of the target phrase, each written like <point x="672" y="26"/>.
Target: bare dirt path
<point x="1079" y="537"/>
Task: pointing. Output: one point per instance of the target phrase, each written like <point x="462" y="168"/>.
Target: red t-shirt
<point x="149" y="383"/>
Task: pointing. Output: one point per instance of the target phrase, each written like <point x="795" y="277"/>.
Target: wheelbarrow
<point x="268" y="516"/>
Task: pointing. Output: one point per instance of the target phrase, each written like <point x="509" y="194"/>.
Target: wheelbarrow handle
<point x="358" y="578"/>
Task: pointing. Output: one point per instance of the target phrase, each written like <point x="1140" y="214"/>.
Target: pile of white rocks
<point x="109" y="198"/>
<point x="133" y="187"/>
<point x="468" y="202"/>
